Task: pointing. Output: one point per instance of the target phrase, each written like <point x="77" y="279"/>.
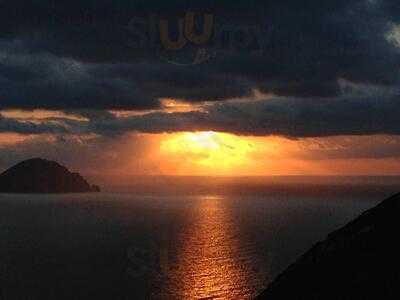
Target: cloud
<point x="45" y="81"/>
<point x="349" y="147"/>
<point x="28" y="127"/>
<point x="74" y="55"/>
<point x="289" y="117"/>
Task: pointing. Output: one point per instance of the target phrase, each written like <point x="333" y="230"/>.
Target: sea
<point x="172" y="237"/>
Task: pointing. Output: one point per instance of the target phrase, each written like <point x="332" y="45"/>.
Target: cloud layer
<point x="283" y="116"/>
<point x="74" y="55"/>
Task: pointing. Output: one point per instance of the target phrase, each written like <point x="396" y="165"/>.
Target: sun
<point x="213" y="151"/>
<point x="203" y="140"/>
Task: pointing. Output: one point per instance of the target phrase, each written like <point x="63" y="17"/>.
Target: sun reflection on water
<point x="212" y="261"/>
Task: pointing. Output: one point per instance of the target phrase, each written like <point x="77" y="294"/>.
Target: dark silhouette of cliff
<point x="358" y="261"/>
<point x="43" y="176"/>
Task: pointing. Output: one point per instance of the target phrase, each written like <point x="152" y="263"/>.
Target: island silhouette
<point x="39" y="175"/>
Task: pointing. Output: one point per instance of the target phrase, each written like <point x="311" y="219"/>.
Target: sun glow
<point x="216" y="152"/>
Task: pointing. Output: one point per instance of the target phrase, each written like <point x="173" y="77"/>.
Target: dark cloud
<point x="29" y="127"/>
<point x="74" y="54"/>
<point x="289" y="117"/>
<point x="357" y="114"/>
<point x="42" y="80"/>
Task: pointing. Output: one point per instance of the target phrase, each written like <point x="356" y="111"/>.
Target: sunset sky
<point x="284" y="88"/>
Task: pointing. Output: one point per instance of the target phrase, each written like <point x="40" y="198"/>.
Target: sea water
<point x="114" y="245"/>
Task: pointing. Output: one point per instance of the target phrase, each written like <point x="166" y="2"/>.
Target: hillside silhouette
<point x="43" y="176"/>
<point x="358" y="261"/>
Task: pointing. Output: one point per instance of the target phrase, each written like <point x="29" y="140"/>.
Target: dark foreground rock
<point x="358" y="261"/>
<point x="43" y="176"/>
